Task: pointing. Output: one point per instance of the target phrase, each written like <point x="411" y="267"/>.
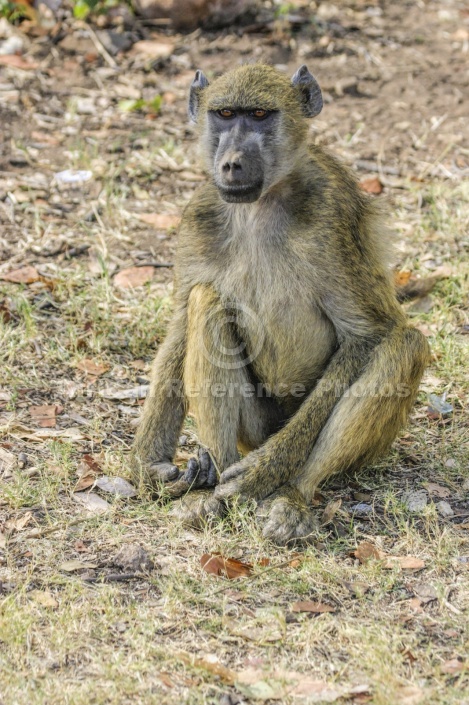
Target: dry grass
<point x="65" y="640"/>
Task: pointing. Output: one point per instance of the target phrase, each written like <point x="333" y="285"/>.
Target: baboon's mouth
<point x="241" y="194"/>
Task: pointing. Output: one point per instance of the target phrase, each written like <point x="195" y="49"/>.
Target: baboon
<point x="287" y="341"/>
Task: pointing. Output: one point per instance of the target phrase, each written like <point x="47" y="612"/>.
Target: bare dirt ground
<point x="80" y="622"/>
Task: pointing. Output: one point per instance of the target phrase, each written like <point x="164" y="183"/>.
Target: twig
<point x="113" y="578"/>
<point x="379" y="168"/>
<point x="99" y="45"/>
<point x="39" y="532"/>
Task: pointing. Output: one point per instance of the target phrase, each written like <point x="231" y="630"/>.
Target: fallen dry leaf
<point x="7" y="460"/>
<point x="20" y="523"/>
<point x="410" y="695"/>
<point x="116" y="485"/>
<point x="45" y="415"/>
<point x="268" y="625"/>
<point x="211" y="665"/>
<point x="401" y="278"/>
<point x="3" y="540"/>
<point x="330" y="511"/>
<point x="366" y="551"/>
<point x="133" y="277"/>
<point x="92" y="368"/>
<point x="72" y="566"/>
<point x="372" y="185"/>
<point x="314" y="607"/>
<point x="452" y="666"/>
<point x="216" y="564"/>
<point x="437" y="490"/>
<point x="92" y="463"/>
<point x="92" y="502"/>
<point x="24" y="275"/>
<point x="44" y="598"/>
<point x="160" y="221"/>
<point x="88" y="470"/>
<point x="280" y="684"/>
<point x="17" y="62"/>
<point x="404" y="562"/>
<point x="80" y="547"/>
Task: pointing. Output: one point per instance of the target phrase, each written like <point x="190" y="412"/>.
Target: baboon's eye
<point x="225" y="113"/>
<point x="259" y="114"/>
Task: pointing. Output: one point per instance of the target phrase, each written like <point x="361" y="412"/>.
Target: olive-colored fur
<point x="290" y="296"/>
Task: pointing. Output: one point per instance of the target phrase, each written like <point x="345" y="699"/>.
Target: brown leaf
<point x="372" y="185"/>
<point x="452" y="666"/>
<point x="88" y="470"/>
<point x="437" y="490"/>
<point x="404" y="562"/>
<point x="85" y="481"/>
<point x="366" y="551"/>
<point x="24" y="275"/>
<point x="315" y="607"/>
<point x="209" y="664"/>
<point x="17" y="62"/>
<point x="92" y="368"/>
<point x="401" y="278"/>
<point x="133" y="277"/>
<point x="216" y="564"/>
<point x="80" y="547"/>
<point x="45" y="415"/>
<point x="160" y="221"/>
<point x="92" y="462"/>
<point x="330" y="511"/>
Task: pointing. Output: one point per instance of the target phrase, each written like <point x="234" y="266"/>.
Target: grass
<point x="159" y="638"/>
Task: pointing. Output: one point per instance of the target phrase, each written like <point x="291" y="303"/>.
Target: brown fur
<point x="304" y="271"/>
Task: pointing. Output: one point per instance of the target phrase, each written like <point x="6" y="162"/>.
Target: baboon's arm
<point x="164" y="409"/>
<point x="282" y="457"/>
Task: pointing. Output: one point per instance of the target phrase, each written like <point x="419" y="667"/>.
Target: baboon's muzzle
<point x="239" y="174"/>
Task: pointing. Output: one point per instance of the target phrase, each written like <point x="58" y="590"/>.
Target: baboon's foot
<point x="197" y="509"/>
<point x="286" y="518"/>
<point x="168" y="480"/>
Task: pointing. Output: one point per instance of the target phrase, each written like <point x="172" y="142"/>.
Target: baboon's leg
<point x="361" y="428"/>
<point x="217" y="385"/>
<point x="164" y="410"/>
<point x="217" y="382"/>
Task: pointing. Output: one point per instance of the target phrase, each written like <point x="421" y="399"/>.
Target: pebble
<point x="416" y="501"/>
<point x="444" y="509"/>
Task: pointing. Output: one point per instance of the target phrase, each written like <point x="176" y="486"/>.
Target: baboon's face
<point x="252" y="126"/>
<point x="242" y="146"/>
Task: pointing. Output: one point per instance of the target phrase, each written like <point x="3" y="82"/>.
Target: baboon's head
<point x="253" y="126"/>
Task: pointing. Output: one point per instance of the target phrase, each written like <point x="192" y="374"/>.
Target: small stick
<point x="113" y="578"/>
<point x="99" y="45"/>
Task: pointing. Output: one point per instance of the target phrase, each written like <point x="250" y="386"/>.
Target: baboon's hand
<point x="244" y="480"/>
<point x="200" y="474"/>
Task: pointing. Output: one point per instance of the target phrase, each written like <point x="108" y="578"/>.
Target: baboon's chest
<point x="287" y="339"/>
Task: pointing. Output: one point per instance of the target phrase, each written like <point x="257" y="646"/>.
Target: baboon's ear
<point x="310" y="93"/>
<point x="198" y="84"/>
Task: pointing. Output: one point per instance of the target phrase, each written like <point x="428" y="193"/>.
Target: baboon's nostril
<point x="231" y="166"/>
